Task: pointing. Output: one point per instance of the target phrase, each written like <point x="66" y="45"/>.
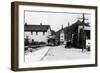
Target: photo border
<point x="15" y="34"/>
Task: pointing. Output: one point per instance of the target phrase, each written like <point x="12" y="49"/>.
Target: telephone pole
<point x="83" y="31"/>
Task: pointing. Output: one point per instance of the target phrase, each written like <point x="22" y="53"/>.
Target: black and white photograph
<point x="54" y="36"/>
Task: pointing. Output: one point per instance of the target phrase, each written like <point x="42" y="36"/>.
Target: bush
<point x="26" y="41"/>
<point x="26" y="48"/>
<point x="37" y="43"/>
<point x="41" y="43"/>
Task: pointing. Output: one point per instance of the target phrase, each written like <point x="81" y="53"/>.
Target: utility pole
<point x="83" y="28"/>
<point x="68" y="24"/>
<point x="67" y="32"/>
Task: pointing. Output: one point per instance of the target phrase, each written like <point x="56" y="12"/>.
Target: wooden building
<point x="72" y="33"/>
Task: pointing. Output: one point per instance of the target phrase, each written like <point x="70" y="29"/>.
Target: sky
<point x="54" y="19"/>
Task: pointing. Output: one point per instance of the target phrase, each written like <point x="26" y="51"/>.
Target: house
<point x="62" y="36"/>
<point x="38" y="33"/>
<point x="77" y="34"/>
<point x="51" y="38"/>
<point x="72" y="32"/>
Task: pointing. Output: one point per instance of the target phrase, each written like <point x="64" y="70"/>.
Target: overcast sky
<point x="55" y="20"/>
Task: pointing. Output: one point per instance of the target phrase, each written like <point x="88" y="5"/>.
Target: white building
<point x="62" y="36"/>
<point x="38" y="33"/>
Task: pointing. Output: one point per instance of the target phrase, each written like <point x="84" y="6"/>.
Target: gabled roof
<point x="41" y="28"/>
<point x="75" y="25"/>
<point x="71" y="29"/>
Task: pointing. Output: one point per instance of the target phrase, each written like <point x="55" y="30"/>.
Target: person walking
<point x="82" y="39"/>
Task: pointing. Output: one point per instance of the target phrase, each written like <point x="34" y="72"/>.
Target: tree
<point x="26" y="42"/>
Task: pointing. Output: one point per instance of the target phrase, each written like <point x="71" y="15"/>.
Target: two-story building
<point x="38" y="33"/>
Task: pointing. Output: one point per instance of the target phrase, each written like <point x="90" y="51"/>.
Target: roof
<point x="42" y="28"/>
<point x="71" y="29"/>
<point x="75" y="25"/>
<point x="52" y="32"/>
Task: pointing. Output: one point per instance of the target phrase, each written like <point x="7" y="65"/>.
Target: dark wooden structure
<point x="72" y="33"/>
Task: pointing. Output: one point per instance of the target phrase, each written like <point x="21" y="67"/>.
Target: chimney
<point x="40" y="23"/>
<point x="62" y="27"/>
<point x="25" y="24"/>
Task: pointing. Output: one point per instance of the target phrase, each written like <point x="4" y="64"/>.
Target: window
<point x="62" y="36"/>
<point x="43" y="33"/>
<point x="31" y="33"/>
<point x="36" y="33"/>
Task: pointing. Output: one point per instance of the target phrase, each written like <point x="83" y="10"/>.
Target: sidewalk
<point x="37" y="55"/>
<point x="61" y="53"/>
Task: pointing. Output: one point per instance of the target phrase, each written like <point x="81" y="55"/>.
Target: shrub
<point x="26" y="41"/>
